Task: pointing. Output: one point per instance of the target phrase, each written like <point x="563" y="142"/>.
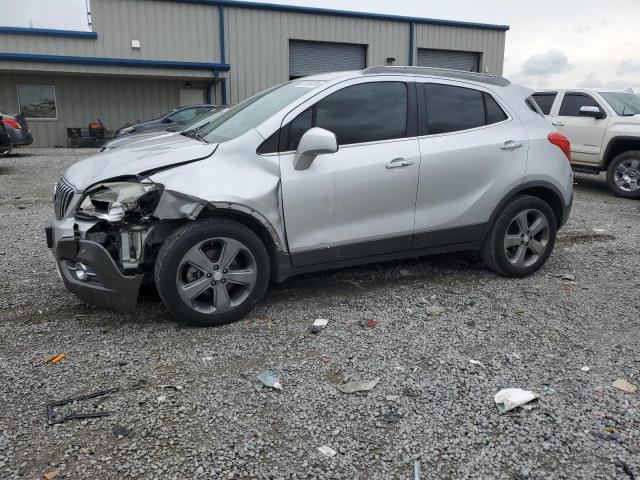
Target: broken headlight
<point x="118" y="201"/>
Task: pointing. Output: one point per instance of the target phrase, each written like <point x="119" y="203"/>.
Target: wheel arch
<point x="252" y="220"/>
<point x="618" y="145"/>
<point x="541" y="189"/>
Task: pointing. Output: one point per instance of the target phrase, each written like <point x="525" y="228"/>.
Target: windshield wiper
<point x="193" y="134"/>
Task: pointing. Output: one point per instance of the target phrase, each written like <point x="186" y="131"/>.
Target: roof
<point x="439" y="72"/>
<point x="346" y="13"/>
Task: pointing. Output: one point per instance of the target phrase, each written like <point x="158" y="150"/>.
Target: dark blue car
<point x="175" y="117"/>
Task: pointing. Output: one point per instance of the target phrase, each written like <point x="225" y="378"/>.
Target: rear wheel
<point x="521" y="238"/>
<point x="212" y="272"/>
<point x="623" y="175"/>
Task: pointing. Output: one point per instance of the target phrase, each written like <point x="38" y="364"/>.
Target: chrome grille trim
<point x="62" y="198"/>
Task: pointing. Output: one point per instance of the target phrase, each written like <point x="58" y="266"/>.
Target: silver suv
<point x="318" y="173"/>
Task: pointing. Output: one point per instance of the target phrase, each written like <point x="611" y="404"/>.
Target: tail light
<point x="12" y="123"/>
<point x="562" y="142"/>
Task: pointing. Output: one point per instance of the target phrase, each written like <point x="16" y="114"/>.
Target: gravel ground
<point x="189" y="404"/>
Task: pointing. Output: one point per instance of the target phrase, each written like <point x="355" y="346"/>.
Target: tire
<point x="527" y="252"/>
<point x="195" y="259"/>
<point x="623" y="175"/>
<point x="5" y="150"/>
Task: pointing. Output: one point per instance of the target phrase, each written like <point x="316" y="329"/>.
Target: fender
<point x="604" y="163"/>
<point x="540" y="184"/>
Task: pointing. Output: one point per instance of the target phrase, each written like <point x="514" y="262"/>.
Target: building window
<point x="38" y="101"/>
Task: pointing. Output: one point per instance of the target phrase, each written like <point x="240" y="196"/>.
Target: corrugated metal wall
<point x="166" y="30"/>
<point x="81" y="99"/>
<point x="490" y="43"/>
<point x="257" y="48"/>
<point x="258" y="43"/>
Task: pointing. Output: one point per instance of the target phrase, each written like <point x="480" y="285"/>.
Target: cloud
<point x="543" y="64"/>
<point x="628" y="66"/>
<point x="590" y="82"/>
<point x="585" y="29"/>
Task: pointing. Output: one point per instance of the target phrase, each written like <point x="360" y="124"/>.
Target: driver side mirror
<point x="315" y="141"/>
<point x="593" y="112"/>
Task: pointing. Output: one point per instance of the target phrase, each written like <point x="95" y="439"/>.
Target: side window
<point x="295" y="129"/>
<point x="493" y="112"/>
<point x="545" y="101"/>
<point x="573" y="102"/>
<point x="451" y="108"/>
<point x="367" y="112"/>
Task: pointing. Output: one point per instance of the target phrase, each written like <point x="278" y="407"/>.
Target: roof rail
<point x="438" y="72"/>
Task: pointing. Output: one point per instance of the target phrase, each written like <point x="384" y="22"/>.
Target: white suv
<point x="604" y="129"/>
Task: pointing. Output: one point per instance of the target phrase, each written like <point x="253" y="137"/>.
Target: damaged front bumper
<point x="103" y="283"/>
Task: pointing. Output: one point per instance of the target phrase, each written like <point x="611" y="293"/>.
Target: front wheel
<point x="522" y="237"/>
<point x="212" y="272"/>
<point x="623" y="175"/>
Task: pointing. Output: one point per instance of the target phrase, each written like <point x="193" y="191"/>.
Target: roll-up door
<point x="309" y="58"/>
<point x="453" y="59"/>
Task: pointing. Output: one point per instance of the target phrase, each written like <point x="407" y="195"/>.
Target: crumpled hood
<point x="127" y="140"/>
<point x="153" y="153"/>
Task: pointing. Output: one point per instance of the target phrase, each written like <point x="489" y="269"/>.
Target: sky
<point x="551" y="43"/>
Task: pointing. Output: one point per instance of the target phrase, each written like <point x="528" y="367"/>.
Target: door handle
<point x="510" y="145"/>
<point x="399" y="163"/>
<point x="557" y="124"/>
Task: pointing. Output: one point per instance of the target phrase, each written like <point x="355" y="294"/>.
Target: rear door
<point x="359" y="201"/>
<point x="473" y="150"/>
<point x="585" y="133"/>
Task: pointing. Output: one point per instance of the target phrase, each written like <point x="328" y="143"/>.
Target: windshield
<point x="626" y="104"/>
<point x="197" y="121"/>
<point x="255" y="110"/>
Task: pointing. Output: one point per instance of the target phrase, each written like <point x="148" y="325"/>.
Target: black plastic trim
<point x="110" y="288"/>
<point x="605" y="158"/>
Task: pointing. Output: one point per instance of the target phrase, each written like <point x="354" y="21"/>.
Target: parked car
<point x="176" y="117"/>
<point x="380" y="164"/>
<point x="5" y="140"/>
<point x="134" y="138"/>
<point x="604" y="129"/>
<point x="17" y="128"/>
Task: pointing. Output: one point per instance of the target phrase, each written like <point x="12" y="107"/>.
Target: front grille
<point x="62" y="198"/>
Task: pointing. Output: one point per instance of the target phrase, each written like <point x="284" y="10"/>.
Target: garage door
<point x="309" y="58"/>
<point x="456" y="60"/>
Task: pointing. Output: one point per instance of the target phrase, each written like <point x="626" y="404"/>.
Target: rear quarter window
<point x="545" y="101"/>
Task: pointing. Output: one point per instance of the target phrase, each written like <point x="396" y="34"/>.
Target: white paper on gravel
<point x="510" y="398"/>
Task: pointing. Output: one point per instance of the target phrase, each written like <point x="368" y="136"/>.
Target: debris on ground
<point x="121" y="432"/>
<point x="270" y="380"/>
<point x="436" y="311"/>
<point x="177" y="388"/>
<point x="622" y="384"/>
<point x="509" y="398"/>
<point x="548" y="389"/>
<point x="566" y="276"/>
<point x="370" y="323"/>
<point x="56" y="358"/>
<point x="60" y="417"/>
<point x="51" y="474"/>
<point x="416" y="470"/>
<point x="328" y="451"/>
<point x="318" y="325"/>
<point x="392" y="398"/>
<point x="391" y="417"/>
<point x="585" y="369"/>
<point x="477" y="362"/>
<point x="358" y="386"/>
<point x="625" y="468"/>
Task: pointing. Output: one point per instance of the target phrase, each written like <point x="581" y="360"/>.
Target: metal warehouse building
<point x="145" y="57"/>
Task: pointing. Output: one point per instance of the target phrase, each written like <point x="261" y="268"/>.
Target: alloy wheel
<point x="527" y="238"/>
<point x="216" y="275"/>
<point x="627" y="175"/>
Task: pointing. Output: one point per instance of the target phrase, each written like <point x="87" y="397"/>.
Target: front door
<point x="359" y="201"/>
<point x="585" y="133"/>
